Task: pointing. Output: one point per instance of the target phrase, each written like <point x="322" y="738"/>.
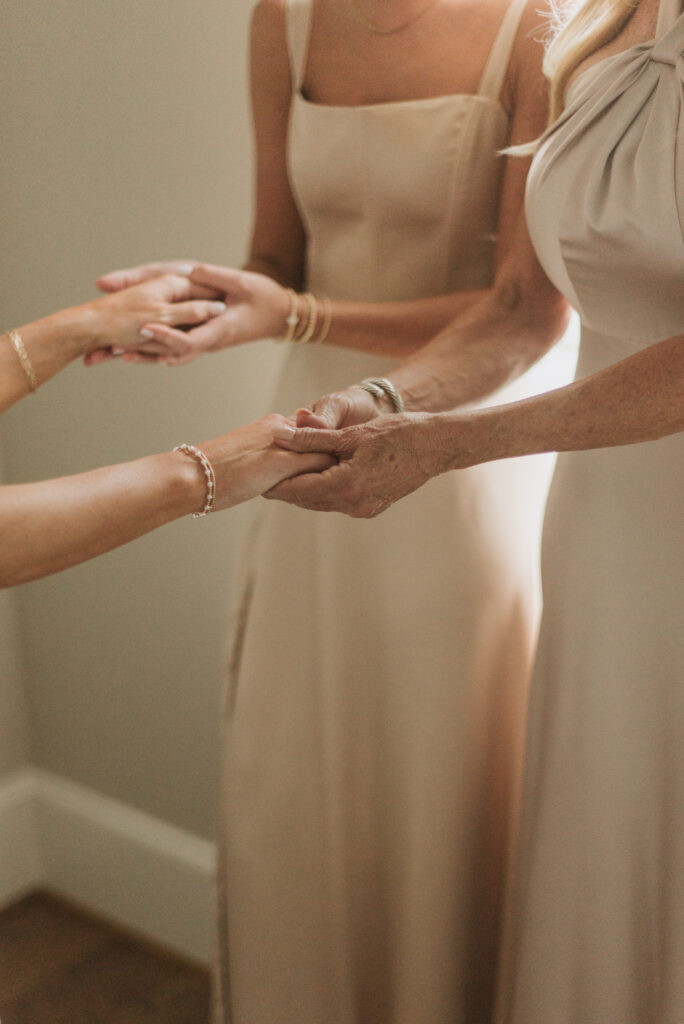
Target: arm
<point x="53" y="342"/>
<point x="54" y="524"/>
<point x="639" y="399"/>
<point x="258" y="303"/>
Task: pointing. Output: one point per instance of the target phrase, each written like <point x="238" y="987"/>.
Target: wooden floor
<point x="61" y="966"/>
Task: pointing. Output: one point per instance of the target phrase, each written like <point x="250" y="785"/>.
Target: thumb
<point x="309" y="418"/>
<point x="225" y="279"/>
<point x="305" y="439"/>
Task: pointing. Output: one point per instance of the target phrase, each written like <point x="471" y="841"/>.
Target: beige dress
<point x="597" y="928"/>
<point x="380" y="668"/>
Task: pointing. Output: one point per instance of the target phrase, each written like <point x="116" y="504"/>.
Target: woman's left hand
<point x="379" y="462"/>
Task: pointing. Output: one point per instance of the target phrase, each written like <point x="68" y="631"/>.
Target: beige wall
<point x="14" y="733"/>
<point x="126" y="137"/>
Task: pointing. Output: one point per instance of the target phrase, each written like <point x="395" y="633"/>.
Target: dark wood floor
<point x="59" y="965"/>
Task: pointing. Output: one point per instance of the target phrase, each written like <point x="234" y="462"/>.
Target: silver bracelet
<point x="379" y="387"/>
<point x="208" y="470"/>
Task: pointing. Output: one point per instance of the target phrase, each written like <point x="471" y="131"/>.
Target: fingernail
<point x="217" y="307"/>
<point x="147" y="333"/>
<point x="185" y="269"/>
<point x="284" y="433"/>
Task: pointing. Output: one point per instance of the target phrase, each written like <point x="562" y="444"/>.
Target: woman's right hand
<point x="247" y="462"/>
<point x="257" y="308"/>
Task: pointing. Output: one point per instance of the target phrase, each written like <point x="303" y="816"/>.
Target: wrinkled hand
<point x="378" y="463"/>
<point x="341" y="409"/>
<point x="115" y="321"/>
<point x="257" y="307"/>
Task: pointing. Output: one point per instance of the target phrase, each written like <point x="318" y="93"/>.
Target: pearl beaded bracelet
<point x="208" y="470"/>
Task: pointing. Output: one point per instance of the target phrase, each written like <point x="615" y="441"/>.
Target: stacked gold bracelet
<point x="27" y="366"/>
<point x="308" y="320"/>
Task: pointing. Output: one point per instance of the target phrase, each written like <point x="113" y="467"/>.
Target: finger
<point x="140" y="357"/>
<point x="316" y="462"/>
<point x="309" y="491"/>
<point x="206" y="338"/>
<point x="115" y="280"/>
<point x="100" y="355"/>
<point x="224" y="279"/>
<point x="153" y="348"/>
<point x="306" y="439"/>
<point x="308" y="418"/>
<point x="190" y="313"/>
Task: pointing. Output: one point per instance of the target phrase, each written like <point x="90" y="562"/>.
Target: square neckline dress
<point x="596" y="930"/>
<point x="374" y="711"/>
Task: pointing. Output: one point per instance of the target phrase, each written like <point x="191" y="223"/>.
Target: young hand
<point x="257" y="307"/>
<point x="115" y="321"/>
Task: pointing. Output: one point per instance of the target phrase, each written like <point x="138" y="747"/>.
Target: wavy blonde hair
<point x="581" y="27"/>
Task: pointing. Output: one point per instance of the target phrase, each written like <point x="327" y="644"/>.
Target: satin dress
<point x="374" y="713"/>
<point x="597" y="918"/>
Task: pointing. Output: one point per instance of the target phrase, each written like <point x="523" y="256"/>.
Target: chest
<point x="442" y="54"/>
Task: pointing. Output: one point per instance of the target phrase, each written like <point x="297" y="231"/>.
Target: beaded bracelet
<point x="208" y="470"/>
<point x="26" y="364"/>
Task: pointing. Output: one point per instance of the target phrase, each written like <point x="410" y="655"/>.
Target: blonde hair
<point x="581" y="28"/>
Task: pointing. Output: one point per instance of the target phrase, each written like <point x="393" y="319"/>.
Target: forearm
<point x="392" y="329"/>
<point x="496" y="340"/>
<point x="395" y="329"/>
<point x="51" y="344"/>
<point x="54" y="524"/>
<point x="638" y="399"/>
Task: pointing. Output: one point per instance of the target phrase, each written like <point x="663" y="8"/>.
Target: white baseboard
<point x="127" y="865"/>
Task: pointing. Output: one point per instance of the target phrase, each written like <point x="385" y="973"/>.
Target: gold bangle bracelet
<point x="327" y="320"/>
<point x="313" y="320"/>
<point x="26" y="364"/>
<point x="292" y="319"/>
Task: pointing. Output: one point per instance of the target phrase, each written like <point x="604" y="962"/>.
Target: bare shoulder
<point x="525" y="81"/>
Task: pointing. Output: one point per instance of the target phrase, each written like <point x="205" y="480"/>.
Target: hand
<point x="342" y="409"/>
<point x="115" y="321"/>
<point x="257" y="307"/>
<point x="247" y="461"/>
<point x="378" y="463"/>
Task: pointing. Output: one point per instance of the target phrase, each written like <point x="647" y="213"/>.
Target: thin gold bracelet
<point x="327" y="320"/>
<point x="292" y="319"/>
<point x="26" y="364"/>
<point x="313" y="320"/>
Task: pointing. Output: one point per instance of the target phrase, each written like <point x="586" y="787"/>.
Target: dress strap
<point x="298" y="14"/>
<point x="669" y="11"/>
<point x="497" y="63"/>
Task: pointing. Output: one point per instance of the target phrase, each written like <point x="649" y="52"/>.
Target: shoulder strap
<point x="497" y="63"/>
<point x="669" y="11"/>
<point x="298" y="14"/>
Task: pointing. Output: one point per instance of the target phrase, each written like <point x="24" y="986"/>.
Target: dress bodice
<point x="605" y="195"/>
<point x="399" y="200"/>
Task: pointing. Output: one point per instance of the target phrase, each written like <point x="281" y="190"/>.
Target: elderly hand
<point x="115" y="321"/>
<point x="257" y="307"/>
<point x="378" y="463"/>
<point x="342" y="409"/>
